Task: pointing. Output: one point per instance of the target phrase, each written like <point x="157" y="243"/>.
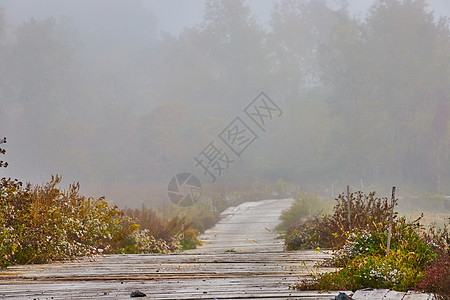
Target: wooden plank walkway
<point x="176" y="276"/>
<point x="385" y="294"/>
<point x="258" y="269"/>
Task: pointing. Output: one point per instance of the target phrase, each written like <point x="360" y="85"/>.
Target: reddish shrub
<point x="436" y="278"/>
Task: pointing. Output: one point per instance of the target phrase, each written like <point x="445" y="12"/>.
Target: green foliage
<point x="364" y="262"/>
<point x="407" y="236"/>
<point x="416" y="258"/>
<point x="330" y="231"/>
<point x="189" y="239"/>
<point x="177" y="232"/>
<point x="367" y="271"/>
<point x="200" y="215"/>
<point x="305" y="206"/>
<point x="40" y="224"/>
<point x="297" y="239"/>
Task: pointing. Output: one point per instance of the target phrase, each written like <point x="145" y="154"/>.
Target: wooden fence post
<point x="348" y="204"/>
<point x="390" y="221"/>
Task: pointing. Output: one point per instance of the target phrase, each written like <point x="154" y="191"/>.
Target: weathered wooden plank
<point x="394" y="295"/>
<point x="372" y="294"/>
<point x="413" y="295"/>
<point x="109" y="292"/>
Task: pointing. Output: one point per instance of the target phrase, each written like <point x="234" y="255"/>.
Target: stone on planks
<point x="137" y="293"/>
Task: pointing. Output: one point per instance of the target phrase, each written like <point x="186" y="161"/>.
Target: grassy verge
<point x="40" y="224"/>
<point x="419" y="257"/>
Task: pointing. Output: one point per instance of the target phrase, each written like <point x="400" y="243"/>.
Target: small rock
<point x="137" y="293"/>
<point x="342" y="296"/>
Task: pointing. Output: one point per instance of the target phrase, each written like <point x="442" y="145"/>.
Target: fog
<point x="121" y="95"/>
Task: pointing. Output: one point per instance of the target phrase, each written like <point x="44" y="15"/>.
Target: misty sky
<point x="97" y="91"/>
<point x="171" y="15"/>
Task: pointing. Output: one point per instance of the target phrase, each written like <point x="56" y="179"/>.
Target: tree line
<point x="364" y="98"/>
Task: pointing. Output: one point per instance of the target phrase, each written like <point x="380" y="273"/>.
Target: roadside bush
<point x="407" y="236"/>
<point x="330" y="231"/>
<point x="177" y="233"/>
<point x="365" y="264"/>
<point x="200" y="216"/>
<point x="302" y="209"/>
<point x="366" y="271"/>
<point x="418" y="258"/>
<point x="39" y="224"/>
<point x="436" y="277"/>
<point x="42" y="223"/>
<point x="300" y="238"/>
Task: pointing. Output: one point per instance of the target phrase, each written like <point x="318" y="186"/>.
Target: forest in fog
<point x="364" y="100"/>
